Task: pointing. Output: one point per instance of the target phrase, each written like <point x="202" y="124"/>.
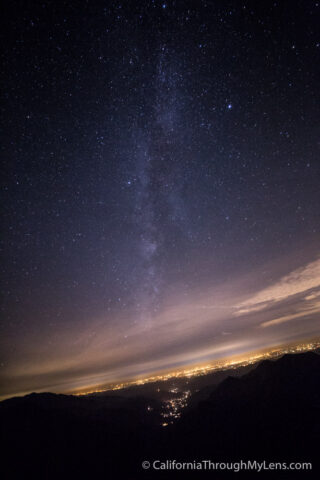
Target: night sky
<point x="160" y="197"/>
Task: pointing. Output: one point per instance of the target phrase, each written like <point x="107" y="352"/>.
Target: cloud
<point x="288" y="318"/>
<point x="312" y="296"/>
<point x="298" y="282"/>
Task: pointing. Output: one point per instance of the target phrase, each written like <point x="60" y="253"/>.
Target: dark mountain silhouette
<point x="271" y="410"/>
<point x="270" y="413"/>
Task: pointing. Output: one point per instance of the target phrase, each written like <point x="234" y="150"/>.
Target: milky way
<point x="161" y="188"/>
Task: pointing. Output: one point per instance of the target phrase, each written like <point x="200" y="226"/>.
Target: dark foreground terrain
<point x="270" y="413"/>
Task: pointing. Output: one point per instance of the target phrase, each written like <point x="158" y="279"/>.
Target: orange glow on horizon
<point x="202" y="369"/>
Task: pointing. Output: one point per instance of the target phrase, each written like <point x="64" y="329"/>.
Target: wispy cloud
<point x="293" y="316"/>
<point x="297" y="282"/>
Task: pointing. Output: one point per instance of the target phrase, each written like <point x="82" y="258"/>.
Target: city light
<point x="213" y="367"/>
